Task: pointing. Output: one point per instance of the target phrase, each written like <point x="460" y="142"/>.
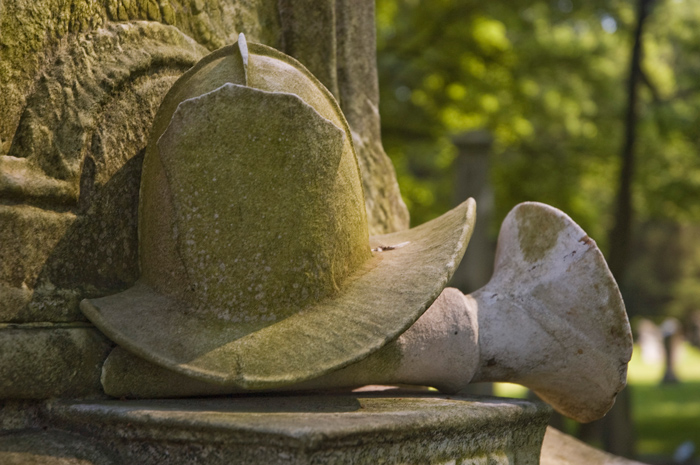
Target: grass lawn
<point x="664" y="416"/>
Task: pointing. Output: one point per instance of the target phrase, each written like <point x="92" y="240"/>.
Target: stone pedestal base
<point x="379" y="427"/>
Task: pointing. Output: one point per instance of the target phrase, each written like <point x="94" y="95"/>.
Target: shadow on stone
<point x="244" y="403"/>
<point x="51" y="448"/>
<point x="98" y="255"/>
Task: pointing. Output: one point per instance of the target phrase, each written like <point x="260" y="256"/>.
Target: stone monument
<point x="266" y="252"/>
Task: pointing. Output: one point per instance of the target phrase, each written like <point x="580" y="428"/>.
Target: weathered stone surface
<point x="51" y="448"/>
<point x="309" y="34"/>
<point x="358" y="92"/>
<point x="69" y="182"/>
<point x="32" y="32"/>
<point x="28" y="235"/>
<point x="79" y="85"/>
<point x="336" y="41"/>
<point x="113" y="77"/>
<point x="213" y="23"/>
<point x="40" y="361"/>
<point x="389" y="427"/>
<point x="561" y="449"/>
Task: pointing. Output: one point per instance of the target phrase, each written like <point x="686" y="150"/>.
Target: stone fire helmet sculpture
<point x="257" y="269"/>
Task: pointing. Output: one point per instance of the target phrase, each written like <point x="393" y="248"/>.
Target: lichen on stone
<point x="538" y="231"/>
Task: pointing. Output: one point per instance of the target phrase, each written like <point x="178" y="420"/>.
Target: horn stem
<point x="439" y="350"/>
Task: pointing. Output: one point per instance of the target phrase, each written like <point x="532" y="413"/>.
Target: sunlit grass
<point x="665" y="415"/>
<point x="509" y="390"/>
<point x="688" y="367"/>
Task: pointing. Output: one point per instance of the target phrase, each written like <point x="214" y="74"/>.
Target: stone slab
<point x="51" y="448"/>
<point x="356" y="428"/>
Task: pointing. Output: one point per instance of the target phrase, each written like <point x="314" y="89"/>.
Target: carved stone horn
<point x="552" y="317"/>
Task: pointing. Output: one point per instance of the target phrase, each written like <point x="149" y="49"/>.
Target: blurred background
<point x="592" y="107"/>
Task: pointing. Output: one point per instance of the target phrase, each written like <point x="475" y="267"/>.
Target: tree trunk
<point x="620" y="235"/>
<point x="616" y="431"/>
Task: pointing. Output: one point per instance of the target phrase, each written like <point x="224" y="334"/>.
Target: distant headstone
<point x="673" y="338"/>
<point x="650" y="340"/>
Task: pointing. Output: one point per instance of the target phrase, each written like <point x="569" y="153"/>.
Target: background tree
<point x="549" y="80"/>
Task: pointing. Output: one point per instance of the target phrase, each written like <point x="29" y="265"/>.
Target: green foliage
<point x="548" y="80"/>
<point x="664" y="273"/>
<point x="544" y="81"/>
<point x="669" y="170"/>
